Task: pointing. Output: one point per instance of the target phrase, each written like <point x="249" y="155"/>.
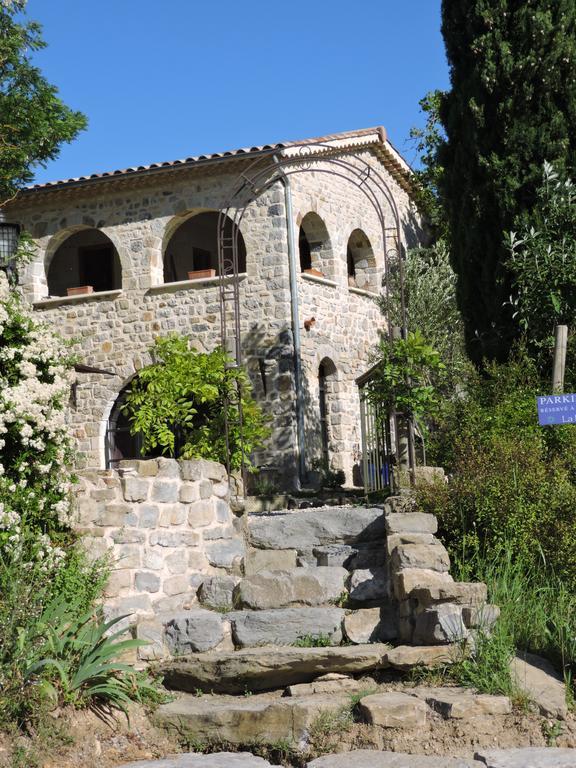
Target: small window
<point x="314" y="246"/>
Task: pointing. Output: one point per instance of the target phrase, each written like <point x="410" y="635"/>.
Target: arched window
<point x="361" y="262"/>
<point x="86" y="262"/>
<point x="192" y="251"/>
<point x="314" y="246"/>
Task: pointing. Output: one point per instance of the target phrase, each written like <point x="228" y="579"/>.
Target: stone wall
<point x="165" y="525"/>
<point x="117" y="328"/>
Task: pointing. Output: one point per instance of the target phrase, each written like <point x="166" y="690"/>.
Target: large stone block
<point x="147" y="582"/>
<point x="217" y="591"/>
<point x="334" y="554"/>
<point x="368" y="758"/>
<point x="449" y="591"/>
<point x="198" y="760"/>
<point x="191" y="631"/>
<point x="369" y="625"/>
<point x="259" y="669"/>
<point x="305" y="530"/>
<point x="200" y="469"/>
<point x="369" y="585"/>
<point x="407" y="657"/>
<point x="224" y="553"/>
<point x="441" y="624"/>
<point x="165" y="491"/>
<point x="433" y="557"/>
<point x="410" y="522"/>
<point x="527" y="757"/>
<point x="269" y="560"/>
<point x="409" y="580"/>
<point x="285" y="626"/>
<point x="464" y="704"/>
<point x="301" y="586"/>
<point x="545" y="687"/>
<point x="201" y="513"/>
<point x="393" y="710"/>
<point x="174" y="538"/>
<point x="135" y="488"/>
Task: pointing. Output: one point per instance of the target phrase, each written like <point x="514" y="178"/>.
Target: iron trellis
<point x="274" y="167"/>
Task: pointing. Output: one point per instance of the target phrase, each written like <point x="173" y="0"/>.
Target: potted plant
<point x="315" y="272"/>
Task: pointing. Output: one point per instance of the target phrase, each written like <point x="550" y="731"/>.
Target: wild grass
<point x="538" y="615"/>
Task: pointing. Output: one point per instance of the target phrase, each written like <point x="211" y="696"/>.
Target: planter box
<point x="199" y="274"/>
<point x="79" y="290"/>
<point x="315" y="272"/>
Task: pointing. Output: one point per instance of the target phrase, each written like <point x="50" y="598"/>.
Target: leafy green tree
<point x="406" y="378"/>
<point x="34" y="122"/>
<point x="177" y="404"/>
<point x="512" y="105"/>
<point x="542" y="260"/>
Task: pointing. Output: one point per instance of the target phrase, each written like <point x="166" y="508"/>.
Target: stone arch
<point x="361" y="262"/>
<point x="314" y="245"/>
<point x="82" y="256"/>
<point x="191" y="245"/>
<point x="327" y="396"/>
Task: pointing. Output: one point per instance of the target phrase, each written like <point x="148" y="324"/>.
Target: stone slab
<point x="189" y="631"/>
<point x="528" y="757"/>
<point x="463" y="704"/>
<point x="285" y="626"/>
<point x="195" y="760"/>
<point x="269" y="560"/>
<point x="407" y="657"/>
<point x="410" y="522"/>
<point x="345" y="684"/>
<point x="245" y="719"/>
<point x="369" y="585"/>
<point x="273" y="667"/>
<point x="538" y="678"/>
<point x="422" y="581"/>
<point x="368" y="758"/>
<point x="459" y="592"/>
<point x="366" y="625"/>
<point x="393" y="709"/>
<point x="306" y="529"/>
<point x="300" y="586"/>
<point x="441" y="624"/>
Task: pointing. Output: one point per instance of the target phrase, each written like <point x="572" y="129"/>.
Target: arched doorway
<point x="314" y="245"/>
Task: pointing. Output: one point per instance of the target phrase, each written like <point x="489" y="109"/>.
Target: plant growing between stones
<point x="313" y="641"/>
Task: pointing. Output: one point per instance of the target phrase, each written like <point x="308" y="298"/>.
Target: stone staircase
<point x="326" y="597"/>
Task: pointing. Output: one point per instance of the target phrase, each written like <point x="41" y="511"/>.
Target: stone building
<point x="141" y="239"/>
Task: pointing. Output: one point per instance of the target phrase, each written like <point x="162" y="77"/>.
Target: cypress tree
<point x="511" y="106"/>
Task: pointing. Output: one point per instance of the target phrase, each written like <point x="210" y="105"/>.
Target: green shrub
<point x="178" y="404"/>
<point x="511" y="482"/>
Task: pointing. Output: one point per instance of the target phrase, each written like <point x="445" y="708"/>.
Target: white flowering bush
<point x="34" y="445"/>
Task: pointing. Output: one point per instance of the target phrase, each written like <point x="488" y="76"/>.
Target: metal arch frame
<point x="260" y="176"/>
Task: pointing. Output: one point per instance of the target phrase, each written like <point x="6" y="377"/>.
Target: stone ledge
<point x="56" y="301"/>
<point x="321" y="280"/>
<point x="363" y="292"/>
<point x="203" y="282"/>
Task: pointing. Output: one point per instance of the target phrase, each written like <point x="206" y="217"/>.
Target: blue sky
<point x="160" y="81"/>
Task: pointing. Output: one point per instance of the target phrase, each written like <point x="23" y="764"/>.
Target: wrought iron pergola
<point x="274" y="167"/>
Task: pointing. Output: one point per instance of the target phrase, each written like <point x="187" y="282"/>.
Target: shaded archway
<point x="119" y="443"/>
<point x="314" y="245"/>
<point x="86" y="260"/>
<point x="361" y="262"/>
<point x="193" y="248"/>
<point x="326" y="380"/>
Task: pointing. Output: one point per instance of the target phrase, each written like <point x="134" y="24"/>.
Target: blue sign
<point x="556" y="409"/>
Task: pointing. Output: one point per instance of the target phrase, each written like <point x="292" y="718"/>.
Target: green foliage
<point x="511" y="106"/>
<point x="511" y="481"/>
<point x="430" y="291"/>
<point x="542" y="260"/>
<point x="538" y="615"/>
<point x="34" y="122"/>
<point x="178" y="405"/>
<point x="313" y="641"/>
<point x="406" y="377"/>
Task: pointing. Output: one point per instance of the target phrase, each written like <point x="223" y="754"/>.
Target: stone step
<point x="274" y="667"/>
<point x="198" y="760"/>
<point x="299" y="586"/>
<point x="527" y="757"/>
<point x="247" y="719"/>
<point x="306" y="530"/>
<point x="368" y="758"/>
<point x="268" y="668"/>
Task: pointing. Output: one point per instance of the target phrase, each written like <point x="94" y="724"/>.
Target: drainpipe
<point x="295" y="312"/>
